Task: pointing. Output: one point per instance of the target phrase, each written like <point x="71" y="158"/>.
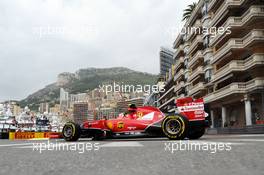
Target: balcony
<point x="172" y="99"/>
<point x="238" y="66"/>
<point x="253" y="36"/>
<point x="196" y="73"/>
<point x="186" y="45"/>
<point x="198" y="39"/>
<point x="206" y="20"/>
<point x="197" y="25"/>
<point x="179" y="86"/>
<point x="239" y="22"/>
<point x="181" y="96"/>
<point x="179" y="62"/>
<point x="178" y="41"/>
<point x="179" y="49"/>
<point x="211" y="4"/>
<point x="196" y="57"/>
<point x="167" y="92"/>
<point x="235" y="88"/>
<point x="178" y="74"/>
<point x="223" y="10"/>
<point x="194" y="14"/>
<point x="196" y="88"/>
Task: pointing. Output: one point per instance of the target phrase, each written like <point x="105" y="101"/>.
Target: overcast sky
<point x="41" y="38"/>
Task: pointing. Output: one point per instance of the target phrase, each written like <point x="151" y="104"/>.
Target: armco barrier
<point x="33" y="135"/>
<point x="254" y="129"/>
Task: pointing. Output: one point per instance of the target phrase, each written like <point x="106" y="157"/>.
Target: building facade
<point x="123" y="104"/>
<point x="226" y="69"/>
<point x="43" y="107"/>
<point x="80" y="112"/>
<point x="166" y="60"/>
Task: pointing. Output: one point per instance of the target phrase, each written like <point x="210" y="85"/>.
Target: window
<point x="205" y="8"/>
<point x="206" y="41"/>
<point x="186" y="75"/>
<point x="206" y="63"/>
<point x="208" y="75"/>
<point x="186" y="63"/>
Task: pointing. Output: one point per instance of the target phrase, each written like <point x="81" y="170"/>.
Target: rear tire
<point x="196" y="133"/>
<point x="175" y="127"/>
<point x="71" y="131"/>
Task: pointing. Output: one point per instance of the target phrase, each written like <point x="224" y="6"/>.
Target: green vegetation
<point x="188" y="11"/>
<point x="88" y="79"/>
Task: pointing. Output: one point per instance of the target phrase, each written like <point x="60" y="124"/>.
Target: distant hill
<point x="87" y="79"/>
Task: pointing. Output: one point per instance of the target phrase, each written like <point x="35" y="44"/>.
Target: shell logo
<point x="109" y="125"/>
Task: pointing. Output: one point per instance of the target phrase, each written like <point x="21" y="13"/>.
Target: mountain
<point x="87" y="79"/>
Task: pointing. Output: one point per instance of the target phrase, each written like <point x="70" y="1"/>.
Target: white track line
<point x="122" y="144"/>
<point x="245" y="140"/>
<point x="20" y="144"/>
<point x="106" y="145"/>
<point x="204" y="142"/>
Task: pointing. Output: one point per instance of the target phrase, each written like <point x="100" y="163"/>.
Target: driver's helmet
<point x="132" y="108"/>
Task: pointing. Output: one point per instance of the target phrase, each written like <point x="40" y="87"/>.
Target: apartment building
<point x="123" y="104"/>
<point x="166" y="60"/>
<point x="80" y="112"/>
<point x="225" y="69"/>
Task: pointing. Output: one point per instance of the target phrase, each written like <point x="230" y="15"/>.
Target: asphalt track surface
<point x="212" y="155"/>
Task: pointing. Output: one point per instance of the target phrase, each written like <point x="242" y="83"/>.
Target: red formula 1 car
<point x="188" y="121"/>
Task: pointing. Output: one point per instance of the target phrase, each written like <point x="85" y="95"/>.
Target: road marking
<point x="204" y="142"/>
<point x="107" y="145"/>
<point x="20" y="144"/>
<point x="122" y="144"/>
<point x="39" y="139"/>
<point x="247" y="135"/>
<point x="246" y="140"/>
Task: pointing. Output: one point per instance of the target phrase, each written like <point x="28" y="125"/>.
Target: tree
<point x="188" y="11"/>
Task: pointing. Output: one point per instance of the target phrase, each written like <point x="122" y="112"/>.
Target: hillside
<point x="86" y="79"/>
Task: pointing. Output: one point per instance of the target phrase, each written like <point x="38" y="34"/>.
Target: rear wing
<point x="190" y="108"/>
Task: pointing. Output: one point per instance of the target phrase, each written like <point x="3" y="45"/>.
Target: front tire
<point x="175" y="127"/>
<point x="71" y="131"/>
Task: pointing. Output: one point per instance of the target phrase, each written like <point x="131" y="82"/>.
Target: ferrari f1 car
<point x="188" y="121"/>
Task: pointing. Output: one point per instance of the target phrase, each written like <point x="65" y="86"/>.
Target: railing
<point x="178" y="74"/>
<point x="240" y="21"/>
<point x="179" y="86"/>
<point x="179" y="62"/>
<point x="204" y="18"/>
<point x="196" y="25"/>
<point x="235" y="88"/>
<point x="238" y="65"/>
<point x="238" y="43"/>
<point x="196" y="88"/>
<point x="221" y="10"/>
<point x="196" y="72"/>
<point x="178" y="40"/>
<point x="198" y="39"/>
<point x="195" y="57"/>
<point x="210" y="5"/>
<point x="167" y="92"/>
<point x="179" y="49"/>
<point x="167" y="102"/>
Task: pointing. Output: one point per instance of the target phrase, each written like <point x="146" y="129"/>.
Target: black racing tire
<point x="71" y="131"/>
<point x="196" y="133"/>
<point x="175" y="127"/>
